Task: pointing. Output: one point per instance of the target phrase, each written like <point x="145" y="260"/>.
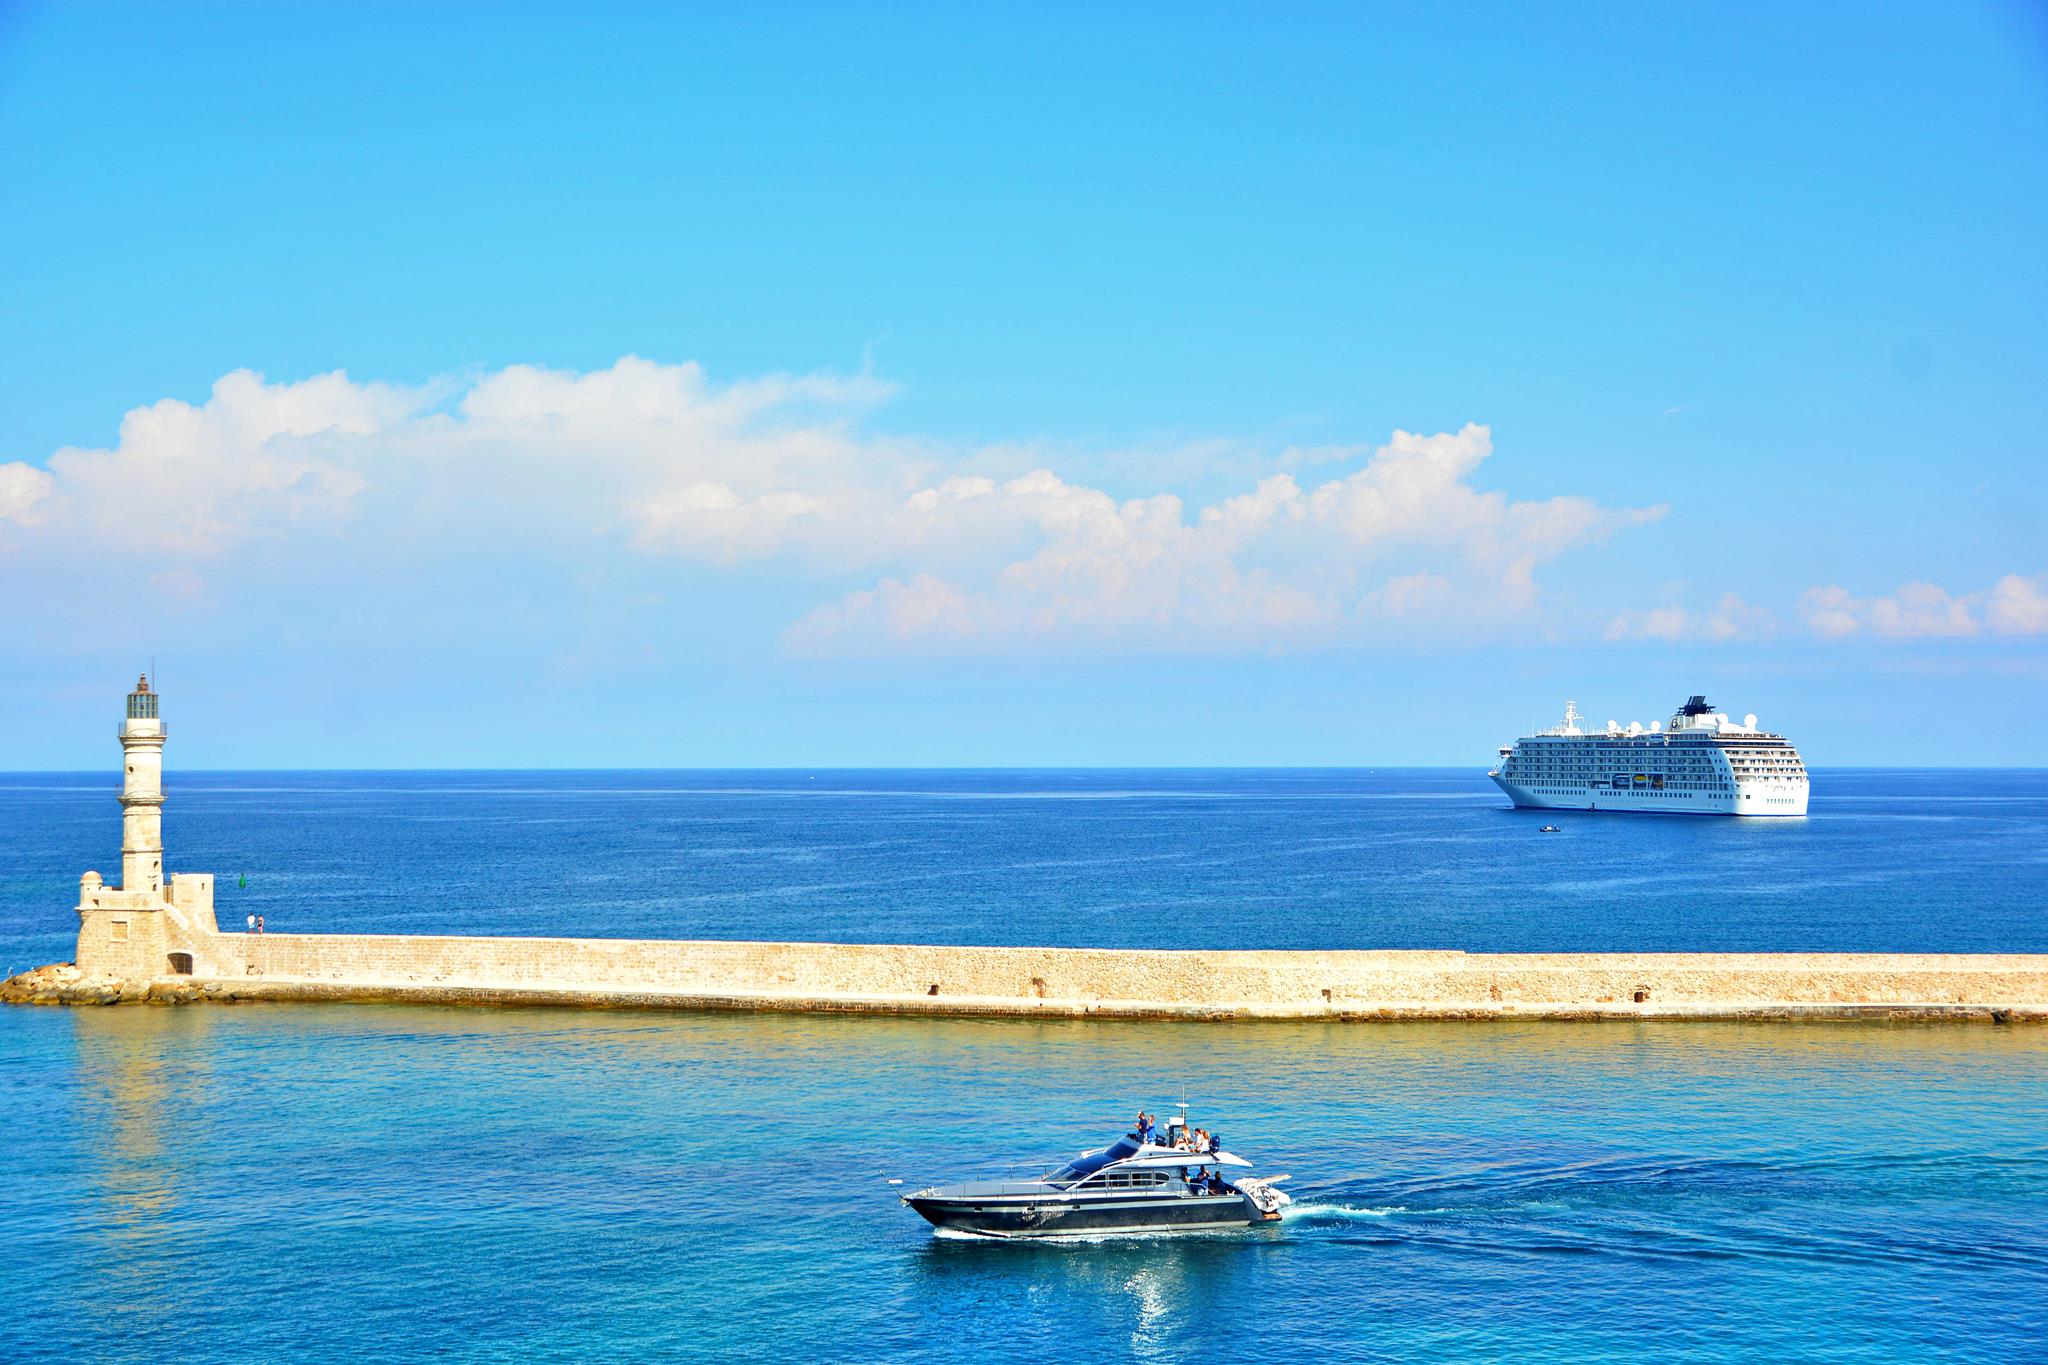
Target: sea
<point x="406" y="1183"/>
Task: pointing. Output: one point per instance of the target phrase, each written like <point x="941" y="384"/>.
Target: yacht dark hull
<point x="1085" y="1216"/>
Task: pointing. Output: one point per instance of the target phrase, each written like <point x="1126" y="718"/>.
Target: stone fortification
<point x="1099" y="982"/>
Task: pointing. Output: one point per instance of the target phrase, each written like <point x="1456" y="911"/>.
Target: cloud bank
<point x="905" y="545"/>
<point x="1731" y="618"/>
<point x="2014" y="605"/>
<point x="474" y="493"/>
<point x="1404" y="544"/>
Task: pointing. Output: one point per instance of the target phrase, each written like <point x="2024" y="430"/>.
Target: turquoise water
<point x="395" y="1183"/>
<point x="276" y="1182"/>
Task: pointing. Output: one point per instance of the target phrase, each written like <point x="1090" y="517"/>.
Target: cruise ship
<point x="1701" y="763"/>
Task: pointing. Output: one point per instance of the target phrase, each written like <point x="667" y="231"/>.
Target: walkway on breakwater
<point x="1075" y="982"/>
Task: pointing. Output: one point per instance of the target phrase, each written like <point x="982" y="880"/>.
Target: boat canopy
<point x="1127" y="1155"/>
<point x="1160" y="1158"/>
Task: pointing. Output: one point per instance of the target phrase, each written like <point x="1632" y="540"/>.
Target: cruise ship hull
<point x="1773" y="800"/>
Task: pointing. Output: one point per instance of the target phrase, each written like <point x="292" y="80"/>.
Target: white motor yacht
<point x="1131" y="1186"/>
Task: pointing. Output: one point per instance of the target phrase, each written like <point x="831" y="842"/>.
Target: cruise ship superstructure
<point x="1700" y="763"/>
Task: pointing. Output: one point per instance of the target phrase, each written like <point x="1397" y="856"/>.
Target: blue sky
<point x="517" y="385"/>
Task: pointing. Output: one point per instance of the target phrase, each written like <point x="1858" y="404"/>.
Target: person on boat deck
<point x="1202" y="1140"/>
<point x="1146" y="1132"/>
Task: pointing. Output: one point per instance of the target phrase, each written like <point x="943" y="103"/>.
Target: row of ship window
<point x="1568" y="772"/>
<point x="1606" y="768"/>
<point x="1608" y="764"/>
<point x="1582" y="775"/>
<point x="1624" y="784"/>
<point x="1571" y="770"/>
<point x="1599" y="791"/>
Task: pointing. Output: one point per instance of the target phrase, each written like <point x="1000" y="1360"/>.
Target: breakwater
<point x="1081" y="982"/>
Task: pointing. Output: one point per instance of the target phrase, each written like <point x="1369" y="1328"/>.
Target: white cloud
<point x="1916" y="610"/>
<point x="1658" y="623"/>
<point x="1731" y="618"/>
<point x="1920" y="609"/>
<point x="651" y="452"/>
<point x="710" y="521"/>
<point x="193" y="480"/>
<point x="2012" y="606"/>
<point x="900" y="611"/>
<point x="1403" y="542"/>
<point x="22" y="486"/>
<point x="2018" y="606"/>
<point x="1830" y="612"/>
<point x="911" y="545"/>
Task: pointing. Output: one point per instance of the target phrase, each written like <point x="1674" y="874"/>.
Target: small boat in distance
<point x="1140" y="1183"/>
<point x="1549" y="829"/>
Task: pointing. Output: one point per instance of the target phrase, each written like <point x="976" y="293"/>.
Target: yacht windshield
<point x="1080" y="1168"/>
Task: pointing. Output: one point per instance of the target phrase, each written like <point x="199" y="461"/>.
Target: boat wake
<point x="1337" y="1213"/>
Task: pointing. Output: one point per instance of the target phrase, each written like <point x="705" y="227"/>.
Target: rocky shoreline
<point x="62" y="983"/>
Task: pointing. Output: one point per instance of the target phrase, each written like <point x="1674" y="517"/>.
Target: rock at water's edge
<point x="60" y="983"/>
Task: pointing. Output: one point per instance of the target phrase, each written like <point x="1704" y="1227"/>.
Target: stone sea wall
<point x="1127" y="983"/>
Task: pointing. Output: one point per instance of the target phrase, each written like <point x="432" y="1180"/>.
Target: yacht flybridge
<point x="1144" y="1182"/>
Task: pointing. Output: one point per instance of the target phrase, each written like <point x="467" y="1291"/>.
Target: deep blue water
<point x="402" y="1183"/>
<point x="1889" y="860"/>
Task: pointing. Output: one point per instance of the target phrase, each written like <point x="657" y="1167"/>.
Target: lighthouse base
<point x="142" y="935"/>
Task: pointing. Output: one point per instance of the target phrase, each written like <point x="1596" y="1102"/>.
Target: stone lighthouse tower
<point x="142" y="793"/>
<point x="148" y="927"/>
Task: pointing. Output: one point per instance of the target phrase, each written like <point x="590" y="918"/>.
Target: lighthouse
<point x="142" y="793"/>
<point x="150" y="926"/>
